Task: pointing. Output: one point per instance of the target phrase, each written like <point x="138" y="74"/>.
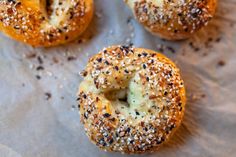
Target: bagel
<point x="45" y="22"/>
<point x="173" y="19"/>
<point x="131" y="99"/>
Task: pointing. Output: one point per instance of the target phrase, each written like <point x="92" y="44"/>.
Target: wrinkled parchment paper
<point x="38" y="114"/>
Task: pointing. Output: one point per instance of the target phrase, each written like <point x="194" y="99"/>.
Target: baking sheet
<point x="38" y="114"/>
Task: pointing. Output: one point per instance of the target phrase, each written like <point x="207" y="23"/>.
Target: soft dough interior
<point x="55" y="11"/>
<point x="131" y="102"/>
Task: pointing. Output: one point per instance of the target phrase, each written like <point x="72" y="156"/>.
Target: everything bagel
<point x="45" y="22"/>
<point x="173" y="19"/>
<point x="131" y="99"/>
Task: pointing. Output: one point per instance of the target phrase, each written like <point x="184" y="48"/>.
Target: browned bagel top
<point x="45" y="22"/>
<point x="179" y="18"/>
<point x="131" y="99"/>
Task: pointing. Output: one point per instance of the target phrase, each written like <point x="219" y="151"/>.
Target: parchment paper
<point x="38" y="114"/>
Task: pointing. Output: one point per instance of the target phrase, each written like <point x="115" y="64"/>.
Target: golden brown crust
<point x="173" y="19"/>
<point x="144" y="125"/>
<point x="36" y="23"/>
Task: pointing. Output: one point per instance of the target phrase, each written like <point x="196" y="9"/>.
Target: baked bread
<point x="131" y="99"/>
<point x="173" y="19"/>
<point x="45" y="22"/>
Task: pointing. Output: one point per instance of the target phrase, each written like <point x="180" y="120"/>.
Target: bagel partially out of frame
<point x="45" y="22"/>
<point x="173" y="19"/>
<point x="131" y="99"/>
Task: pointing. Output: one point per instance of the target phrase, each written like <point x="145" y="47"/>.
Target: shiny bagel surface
<point x="131" y="99"/>
<point x="173" y="19"/>
<point x="45" y="22"/>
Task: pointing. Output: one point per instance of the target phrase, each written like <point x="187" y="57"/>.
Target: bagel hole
<point x="123" y="99"/>
<point x="118" y="95"/>
<point x="48" y="7"/>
